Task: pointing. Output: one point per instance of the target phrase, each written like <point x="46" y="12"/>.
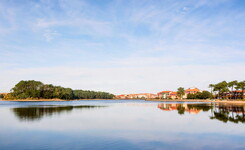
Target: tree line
<point x="228" y="90"/>
<point x="32" y="89"/>
<point x="200" y="95"/>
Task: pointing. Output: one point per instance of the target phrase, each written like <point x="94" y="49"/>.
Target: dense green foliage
<point x="229" y="113"/>
<point x="200" y="95"/>
<point x="81" y="94"/>
<point x="225" y="90"/>
<point x="37" y="90"/>
<point x="181" y="92"/>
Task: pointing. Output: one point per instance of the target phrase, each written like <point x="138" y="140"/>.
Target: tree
<point x="181" y="109"/>
<point x="81" y="94"/>
<point x="241" y="85"/>
<point x="37" y="90"/>
<point x="221" y="87"/>
<point x="200" y="95"/>
<point x="206" y="95"/>
<point x="181" y="92"/>
<point x="191" y="96"/>
<point x="27" y="89"/>
<point x="211" y="86"/>
<point x="231" y="85"/>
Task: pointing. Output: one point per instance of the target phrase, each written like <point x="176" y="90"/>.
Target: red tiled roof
<point x="239" y="91"/>
<point x="192" y="90"/>
<point x="173" y="93"/>
<point x="165" y="92"/>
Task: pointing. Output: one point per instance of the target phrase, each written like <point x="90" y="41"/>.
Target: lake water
<point x="121" y="124"/>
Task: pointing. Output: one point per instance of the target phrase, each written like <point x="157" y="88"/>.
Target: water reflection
<point x="121" y="125"/>
<point x="182" y="108"/>
<point x="229" y="113"/>
<point x="222" y="112"/>
<point x="37" y="113"/>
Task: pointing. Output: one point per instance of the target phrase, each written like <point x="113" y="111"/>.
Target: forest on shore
<point x="32" y="89"/>
<point x="228" y="90"/>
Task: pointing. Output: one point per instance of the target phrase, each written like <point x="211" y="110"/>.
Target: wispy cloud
<point x="50" y="35"/>
<point x="122" y="46"/>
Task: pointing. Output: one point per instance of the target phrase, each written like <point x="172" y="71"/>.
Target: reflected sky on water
<point x="131" y="124"/>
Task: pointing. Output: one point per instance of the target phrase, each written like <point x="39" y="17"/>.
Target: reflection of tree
<point x="203" y="107"/>
<point x="229" y="113"/>
<point x="222" y="112"/>
<point x="182" y="108"/>
<point x="36" y="113"/>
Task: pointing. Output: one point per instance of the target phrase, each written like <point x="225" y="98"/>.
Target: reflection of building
<point x="229" y="113"/>
<point x="234" y="94"/>
<point x="179" y="107"/>
<point x="222" y="112"/>
<point x="230" y="108"/>
<point x="135" y="96"/>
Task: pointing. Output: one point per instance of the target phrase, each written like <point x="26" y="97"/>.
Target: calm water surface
<point x="118" y="124"/>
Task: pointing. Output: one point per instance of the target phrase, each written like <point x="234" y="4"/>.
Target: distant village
<point x="160" y="95"/>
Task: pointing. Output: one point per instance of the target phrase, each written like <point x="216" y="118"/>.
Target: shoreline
<point x="34" y="100"/>
<point x="156" y="100"/>
<point x="49" y="100"/>
<point x="199" y="100"/>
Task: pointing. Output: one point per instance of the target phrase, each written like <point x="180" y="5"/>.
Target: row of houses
<point x="134" y="96"/>
<point x="174" y="95"/>
<point x="231" y="94"/>
<point x="161" y="95"/>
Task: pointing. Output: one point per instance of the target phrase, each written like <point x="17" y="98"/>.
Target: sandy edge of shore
<point x="209" y="101"/>
<point x="33" y="100"/>
<point x="158" y="100"/>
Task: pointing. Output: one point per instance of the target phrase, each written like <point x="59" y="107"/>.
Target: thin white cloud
<point x="127" y="79"/>
<point x="50" y="35"/>
<point x="140" y="46"/>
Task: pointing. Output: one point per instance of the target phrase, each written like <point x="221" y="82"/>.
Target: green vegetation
<point x="229" y="113"/>
<point x="224" y="113"/>
<point x="181" y="92"/>
<point x="37" y="90"/>
<point x="181" y="109"/>
<point x="225" y="90"/>
<point x="81" y="94"/>
<point x="200" y="95"/>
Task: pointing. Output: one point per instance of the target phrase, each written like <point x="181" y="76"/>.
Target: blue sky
<point x="122" y="46"/>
